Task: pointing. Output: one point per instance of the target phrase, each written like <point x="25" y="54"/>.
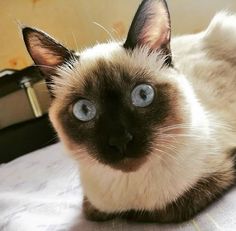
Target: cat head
<point x="111" y="102"/>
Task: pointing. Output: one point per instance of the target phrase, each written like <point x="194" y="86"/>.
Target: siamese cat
<point x="150" y="120"/>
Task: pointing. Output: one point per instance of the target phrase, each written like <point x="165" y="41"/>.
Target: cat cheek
<point x="54" y="116"/>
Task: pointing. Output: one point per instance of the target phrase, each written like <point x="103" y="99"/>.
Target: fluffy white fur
<point x="207" y="65"/>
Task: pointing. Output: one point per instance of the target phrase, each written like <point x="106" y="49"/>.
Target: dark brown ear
<point x="46" y="52"/>
<point x="151" y="27"/>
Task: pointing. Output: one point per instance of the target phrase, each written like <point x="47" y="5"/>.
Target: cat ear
<point x="151" y="27"/>
<point x="45" y="51"/>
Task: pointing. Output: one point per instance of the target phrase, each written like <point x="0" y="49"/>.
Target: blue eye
<point x="84" y="110"/>
<point x="142" y="95"/>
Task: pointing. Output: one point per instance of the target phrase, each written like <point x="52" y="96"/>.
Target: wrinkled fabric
<point x="41" y="192"/>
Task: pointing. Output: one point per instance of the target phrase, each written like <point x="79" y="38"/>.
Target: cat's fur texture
<point x="182" y="158"/>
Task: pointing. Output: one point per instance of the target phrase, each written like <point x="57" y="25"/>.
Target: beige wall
<point x="71" y="21"/>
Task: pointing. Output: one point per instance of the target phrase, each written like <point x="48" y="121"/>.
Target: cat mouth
<point x="128" y="159"/>
<point x="130" y="164"/>
<point x="127" y="164"/>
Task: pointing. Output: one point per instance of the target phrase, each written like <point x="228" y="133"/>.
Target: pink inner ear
<point x="43" y="55"/>
<point x="156" y="32"/>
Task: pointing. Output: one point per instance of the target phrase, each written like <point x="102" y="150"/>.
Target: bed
<point x="41" y="192"/>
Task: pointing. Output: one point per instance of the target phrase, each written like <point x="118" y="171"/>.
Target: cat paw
<point x="93" y="214"/>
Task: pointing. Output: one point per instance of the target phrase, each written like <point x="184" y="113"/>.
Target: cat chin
<point x="128" y="164"/>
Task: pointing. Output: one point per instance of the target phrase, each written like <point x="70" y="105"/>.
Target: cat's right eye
<point x="142" y="95"/>
<point x="84" y="110"/>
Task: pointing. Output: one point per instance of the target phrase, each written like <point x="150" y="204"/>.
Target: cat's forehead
<point x="111" y="65"/>
<point x="115" y="53"/>
<point x="103" y="50"/>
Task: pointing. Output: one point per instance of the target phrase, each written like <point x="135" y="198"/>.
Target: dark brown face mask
<point x="121" y="129"/>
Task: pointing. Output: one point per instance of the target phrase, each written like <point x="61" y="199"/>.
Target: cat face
<point x="115" y="126"/>
<point x="111" y="101"/>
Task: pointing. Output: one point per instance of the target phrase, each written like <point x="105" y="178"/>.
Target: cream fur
<point x="206" y="62"/>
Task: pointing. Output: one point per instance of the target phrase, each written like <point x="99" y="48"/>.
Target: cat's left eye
<point x="142" y="95"/>
<point x="84" y="110"/>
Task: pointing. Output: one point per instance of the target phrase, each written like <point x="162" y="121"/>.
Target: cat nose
<point x="120" y="142"/>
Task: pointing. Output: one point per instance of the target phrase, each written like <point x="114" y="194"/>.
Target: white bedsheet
<point x="41" y="192"/>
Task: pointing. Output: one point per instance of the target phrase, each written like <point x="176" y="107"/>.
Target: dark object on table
<point x="25" y="137"/>
<point x="24" y="102"/>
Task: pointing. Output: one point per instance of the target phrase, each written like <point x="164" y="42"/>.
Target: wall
<point x="71" y="21"/>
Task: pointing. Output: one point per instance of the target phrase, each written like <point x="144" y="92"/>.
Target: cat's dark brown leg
<point x="91" y="213"/>
<point x="192" y="202"/>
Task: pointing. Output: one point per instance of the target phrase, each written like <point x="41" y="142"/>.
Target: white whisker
<point x="75" y="41"/>
<point x="106" y="30"/>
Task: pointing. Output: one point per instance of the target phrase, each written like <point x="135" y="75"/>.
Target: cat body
<point x="179" y="149"/>
<point x="151" y="187"/>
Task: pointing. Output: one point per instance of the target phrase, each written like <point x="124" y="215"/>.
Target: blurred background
<point x="71" y="21"/>
<point x="24" y="98"/>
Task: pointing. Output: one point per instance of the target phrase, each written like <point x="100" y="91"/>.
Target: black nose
<point x="120" y="142"/>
